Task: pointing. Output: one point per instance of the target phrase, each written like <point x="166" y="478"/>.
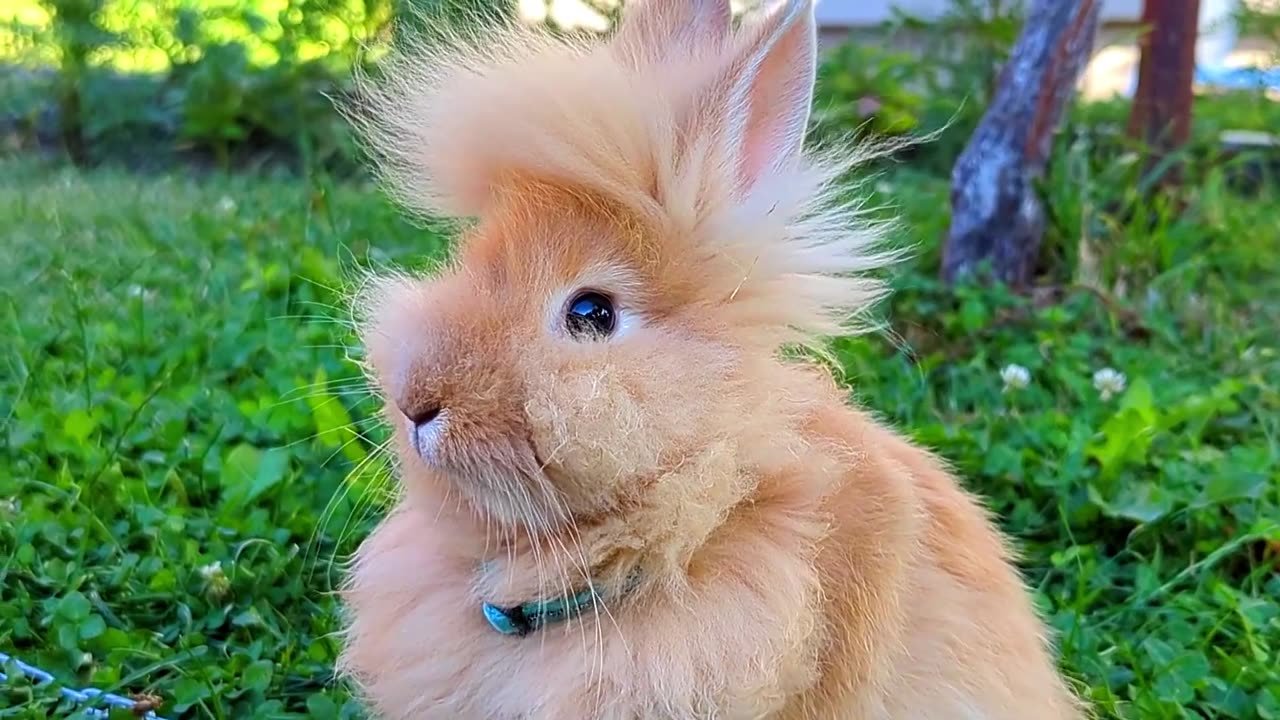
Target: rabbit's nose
<point x="426" y="428"/>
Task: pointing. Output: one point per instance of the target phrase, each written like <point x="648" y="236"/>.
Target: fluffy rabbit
<point x="621" y="499"/>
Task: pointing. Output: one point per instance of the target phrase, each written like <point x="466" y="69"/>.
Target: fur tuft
<point x="454" y="123"/>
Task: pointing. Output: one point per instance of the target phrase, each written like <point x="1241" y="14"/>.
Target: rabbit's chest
<point x="419" y="645"/>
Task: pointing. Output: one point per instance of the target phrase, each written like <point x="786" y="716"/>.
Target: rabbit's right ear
<point x="654" y="29"/>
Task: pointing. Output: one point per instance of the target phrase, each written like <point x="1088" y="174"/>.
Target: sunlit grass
<point x="187" y="458"/>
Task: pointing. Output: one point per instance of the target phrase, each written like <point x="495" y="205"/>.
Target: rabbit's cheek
<point x="605" y="431"/>
<point x="591" y="432"/>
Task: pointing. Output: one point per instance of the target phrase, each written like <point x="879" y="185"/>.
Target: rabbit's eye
<point x="590" y="315"/>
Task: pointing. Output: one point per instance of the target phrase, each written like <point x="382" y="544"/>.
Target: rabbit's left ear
<point x="772" y="89"/>
<point x="651" y="30"/>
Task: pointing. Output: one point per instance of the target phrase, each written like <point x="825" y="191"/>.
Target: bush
<point x="235" y="78"/>
<point x="939" y="89"/>
<point x="228" y="80"/>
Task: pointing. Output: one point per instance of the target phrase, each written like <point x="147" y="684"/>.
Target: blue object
<point x="77" y="696"/>
<point x="1239" y="78"/>
<point x="528" y="617"/>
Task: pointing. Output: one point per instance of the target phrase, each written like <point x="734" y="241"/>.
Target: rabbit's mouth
<point x="504" y="481"/>
<point x="523" y="501"/>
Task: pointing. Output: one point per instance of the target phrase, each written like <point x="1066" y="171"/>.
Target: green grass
<point x="174" y="394"/>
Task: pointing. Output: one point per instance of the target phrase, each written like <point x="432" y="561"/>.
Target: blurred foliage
<point x="227" y="79"/>
<point x="1109" y="227"/>
<point x="941" y="84"/>
<point x="253" y="80"/>
<point x="868" y="87"/>
<point x="1260" y="20"/>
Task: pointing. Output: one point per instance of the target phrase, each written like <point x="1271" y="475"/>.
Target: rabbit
<point x="623" y="494"/>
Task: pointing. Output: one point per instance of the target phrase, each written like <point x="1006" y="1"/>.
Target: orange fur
<point x="798" y="561"/>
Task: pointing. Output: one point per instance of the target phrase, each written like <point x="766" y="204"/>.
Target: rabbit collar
<point x="525" y="618"/>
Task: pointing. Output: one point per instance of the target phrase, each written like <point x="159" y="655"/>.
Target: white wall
<point x="870" y="12"/>
<point x="1216" y="38"/>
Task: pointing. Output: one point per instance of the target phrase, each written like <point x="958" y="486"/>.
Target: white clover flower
<point x="9" y="506"/>
<point x="216" y="582"/>
<point x="1154" y="298"/>
<point x="1015" y="377"/>
<point x="138" y="291"/>
<point x="227" y="204"/>
<point x="1108" y="382"/>
<point x="1254" y="353"/>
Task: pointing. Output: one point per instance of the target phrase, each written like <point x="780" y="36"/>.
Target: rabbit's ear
<point x="653" y="29"/>
<point x="773" y="89"/>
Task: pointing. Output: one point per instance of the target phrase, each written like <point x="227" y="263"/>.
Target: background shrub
<point x="227" y="80"/>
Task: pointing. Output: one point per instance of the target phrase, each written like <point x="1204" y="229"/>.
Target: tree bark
<point x="996" y="215"/>
<point x="1161" y="115"/>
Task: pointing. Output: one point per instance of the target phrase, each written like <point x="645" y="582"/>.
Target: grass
<point x="181" y="478"/>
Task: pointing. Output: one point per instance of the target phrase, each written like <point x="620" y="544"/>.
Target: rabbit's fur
<point x="796" y="559"/>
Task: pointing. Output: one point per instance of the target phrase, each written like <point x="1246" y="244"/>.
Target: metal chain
<point x="79" y="696"/>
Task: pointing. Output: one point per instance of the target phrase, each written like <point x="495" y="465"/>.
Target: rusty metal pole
<point x="1161" y="115"/>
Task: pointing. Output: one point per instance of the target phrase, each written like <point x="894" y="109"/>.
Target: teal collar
<point x="523" y="619"/>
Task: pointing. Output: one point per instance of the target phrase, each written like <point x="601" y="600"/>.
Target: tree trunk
<point x="995" y="213"/>
<point x="1161" y="114"/>
<point x="71" y="119"/>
